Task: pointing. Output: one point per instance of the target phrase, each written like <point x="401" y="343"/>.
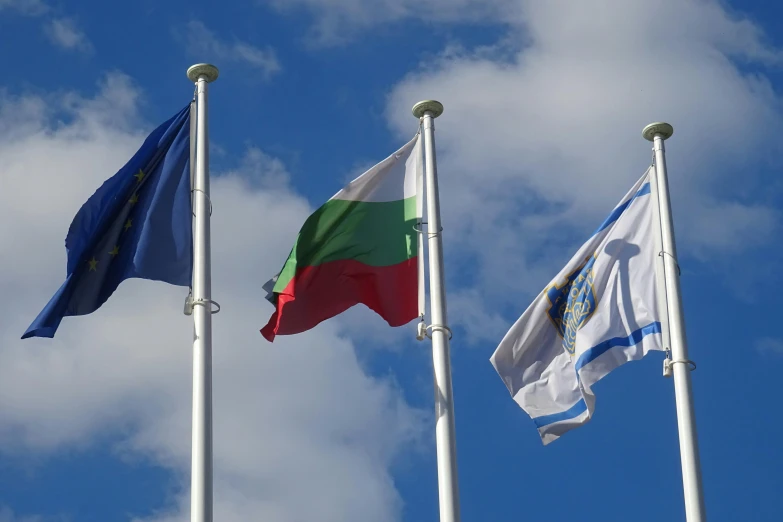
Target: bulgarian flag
<point x="358" y="247"/>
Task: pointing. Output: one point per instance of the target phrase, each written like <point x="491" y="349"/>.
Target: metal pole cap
<point x="207" y="70"/>
<point x="435" y="107"/>
<point x="664" y="129"/>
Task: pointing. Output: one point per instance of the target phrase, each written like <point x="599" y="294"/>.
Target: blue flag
<point x="137" y="224"/>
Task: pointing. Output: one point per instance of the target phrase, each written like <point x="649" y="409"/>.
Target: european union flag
<point x="137" y="224"/>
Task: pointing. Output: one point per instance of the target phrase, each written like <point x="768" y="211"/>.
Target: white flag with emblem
<point x="598" y="313"/>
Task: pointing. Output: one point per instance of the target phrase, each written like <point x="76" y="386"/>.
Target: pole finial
<point x="207" y="70"/>
<point x="435" y="107"/>
<point x="659" y="127"/>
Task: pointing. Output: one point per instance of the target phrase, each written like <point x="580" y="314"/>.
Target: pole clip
<point x="421" y="330"/>
<point x="676" y="263"/>
<point x="190" y="303"/>
<point x="209" y="200"/>
<point x="668" y="366"/>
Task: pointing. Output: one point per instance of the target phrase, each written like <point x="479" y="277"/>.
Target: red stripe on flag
<point x="320" y="292"/>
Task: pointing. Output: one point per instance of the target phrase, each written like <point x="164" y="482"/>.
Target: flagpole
<point x="679" y="364"/>
<point x="448" y="490"/>
<point x="201" y="449"/>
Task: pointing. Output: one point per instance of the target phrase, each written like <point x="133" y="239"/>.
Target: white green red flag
<point x="358" y="247"/>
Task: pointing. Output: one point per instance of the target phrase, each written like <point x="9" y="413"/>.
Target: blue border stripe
<point x="617" y="212"/>
<point x="596" y="351"/>
<point x="574" y="411"/>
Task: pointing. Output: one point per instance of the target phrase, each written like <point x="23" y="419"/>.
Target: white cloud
<point x="541" y="135"/>
<point x="64" y="33"/>
<point x="204" y="44"/>
<point x="481" y="324"/>
<point x="336" y="21"/>
<point x="770" y="346"/>
<point x="295" y="419"/>
<point x="7" y="515"/>
<point x="25" y="7"/>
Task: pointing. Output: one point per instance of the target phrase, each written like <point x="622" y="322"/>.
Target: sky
<point x="540" y="138"/>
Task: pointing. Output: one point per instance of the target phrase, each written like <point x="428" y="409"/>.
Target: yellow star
<point x="134" y="199"/>
<point x="128" y="224"/>
<point x="139" y="176"/>
<point x="93" y="265"/>
<point x="114" y="251"/>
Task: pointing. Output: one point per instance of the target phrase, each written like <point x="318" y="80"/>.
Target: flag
<point x="597" y="314"/>
<point x="358" y="247"/>
<point x="136" y="225"/>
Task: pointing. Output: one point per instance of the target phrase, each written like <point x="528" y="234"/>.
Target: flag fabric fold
<point x="598" y="313"/>
<point x="358" y="247"/>
<point x="136" y="225"/>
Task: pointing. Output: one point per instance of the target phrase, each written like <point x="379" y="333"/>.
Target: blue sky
<point x="540" y="138"/>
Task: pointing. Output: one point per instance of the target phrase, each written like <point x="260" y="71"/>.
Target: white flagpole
<point x="679" y="364"/>
<point x="448" y="490"/>
<point x="201" y="456"/>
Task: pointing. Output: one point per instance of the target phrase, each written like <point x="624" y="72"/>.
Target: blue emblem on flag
<point x="572" y="303"/>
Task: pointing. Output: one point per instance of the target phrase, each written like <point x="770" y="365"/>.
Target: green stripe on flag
<point x="373" y="233"/>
